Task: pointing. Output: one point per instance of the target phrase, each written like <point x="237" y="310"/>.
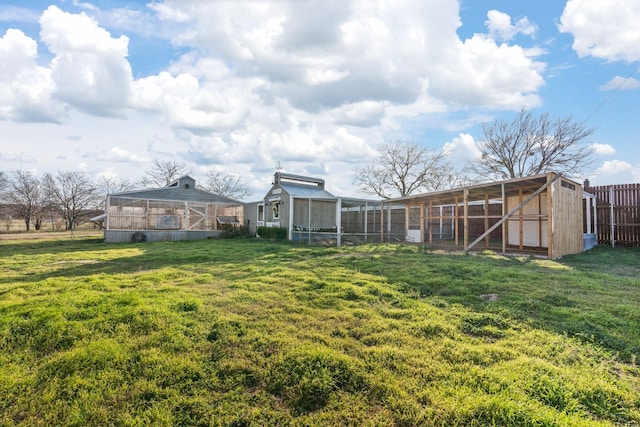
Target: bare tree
<point x="531" y="145"/>
<point x="163" y="173"/>
<point x="403" y="168"/>
<point x="27" y="198"/>
<point x="73" y="194"/>
<point x="226" y="185"/>
<point x="109" y="185"/>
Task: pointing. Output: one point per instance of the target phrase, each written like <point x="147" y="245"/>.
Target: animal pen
<point x="540" y="214"/>
<point x="312" y="215"/>
<point x="178" y="211"/>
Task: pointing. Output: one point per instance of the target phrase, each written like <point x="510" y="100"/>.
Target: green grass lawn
<point x="248" y="332"/>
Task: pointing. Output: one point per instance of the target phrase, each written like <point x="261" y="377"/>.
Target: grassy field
<point x="248" y="332"/>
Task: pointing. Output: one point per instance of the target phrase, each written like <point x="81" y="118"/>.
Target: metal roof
<point x="492" y="190"/>
<point x="182" y="189"/>
<point x="307" y="192"/>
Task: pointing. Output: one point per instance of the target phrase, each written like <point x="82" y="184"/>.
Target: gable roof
<point x="182" y="189"/>
<point x="307" y="192"/>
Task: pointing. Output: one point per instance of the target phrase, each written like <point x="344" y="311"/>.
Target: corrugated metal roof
<point x="307" y="192"/>
<point x="177" y="193"/>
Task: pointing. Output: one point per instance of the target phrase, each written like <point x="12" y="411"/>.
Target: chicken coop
<point x="312" y="215"/>
<point x="540" y="214"/>
<point x="179" y="211"/>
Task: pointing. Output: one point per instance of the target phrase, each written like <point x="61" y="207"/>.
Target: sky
<point x="311" y="86"/>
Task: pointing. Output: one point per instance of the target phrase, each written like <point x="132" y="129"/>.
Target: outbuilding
<point x="179" y="211"/>
<point x="538" y="214"/>
<point x="313" y="215"/>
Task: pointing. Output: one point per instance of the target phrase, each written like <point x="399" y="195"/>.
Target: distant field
<point x="50" y="235"/>
<point x="248" y="332"/>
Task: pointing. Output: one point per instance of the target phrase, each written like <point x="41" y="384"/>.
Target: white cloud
<point x="461" y="149"/>
<point x="500" y="27"/>
<point x="603" y="149"/>
<point x="604" y="30"/>
<point x="621" y="83"/>
<point x="167" y="13"/>
<point x="90" y="69"/>
<point x="616" y="172"/>
<point x="481" y="73"/>
<point x="25" y="88"/>
<point x="364" y="52"/>
<point x="117" y="154"/>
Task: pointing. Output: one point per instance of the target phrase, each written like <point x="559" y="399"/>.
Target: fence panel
<point x="620" y="203"/>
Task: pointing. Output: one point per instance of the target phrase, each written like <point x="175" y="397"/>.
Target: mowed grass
<point x="247" y="332"/>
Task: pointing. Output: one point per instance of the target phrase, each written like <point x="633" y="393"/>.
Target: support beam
<point x="550" y="221"/>
<point x="521" y="222"/>
<point x="339" y="222"/>
<point x="510" y="214"/>
<point x="422" y="222"/>
<point x="465" y="201"/>
<point x="486" y="217"/>
<point x="505" y="229"/>
<point x="430" y="226"/>
<point x="613" y="218"/>
<point x="381" y="222"/>
<point x="455" y="218"/>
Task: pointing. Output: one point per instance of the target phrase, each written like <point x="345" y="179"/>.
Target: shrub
<point x="236" y="232"/>
<point x="277" y="233"/>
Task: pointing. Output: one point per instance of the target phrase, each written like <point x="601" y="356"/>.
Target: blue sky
<point x="107" y="87"/>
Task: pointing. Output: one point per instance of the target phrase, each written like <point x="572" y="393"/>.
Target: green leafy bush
<point x="277" y="233"/>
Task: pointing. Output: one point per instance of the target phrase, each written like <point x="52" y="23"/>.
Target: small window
<point x="568" y="185"/>
<point x="276" y="210"/>
<point x="261" y="213"/>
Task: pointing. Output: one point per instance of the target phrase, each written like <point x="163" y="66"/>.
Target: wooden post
<point x="613" y="229"/>
<point x="339" y="222"/>
<point x="520" y="222"/>
<point x="588" y="211"/>
<point x="505" y="228"/>
<point x="594" y="201"/>
<point x="465" y="196"/>
<point x="308" y="223"/>
<point x="486" y="217"/>
<point x="422" y="219"/>
<point x="550" y="219"/>
<point x="455" y="218"/>
<point x="381" y="222"/>
<point x="407" y="209"/>
<point x="430" y="221"/>
<point x="366" y="220"/>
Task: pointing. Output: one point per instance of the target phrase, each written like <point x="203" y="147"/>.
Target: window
<point x="276" y="210"/>
<point x="260" y="212"/>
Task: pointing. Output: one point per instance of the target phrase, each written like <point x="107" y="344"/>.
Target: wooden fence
<point x="618" y="210"/>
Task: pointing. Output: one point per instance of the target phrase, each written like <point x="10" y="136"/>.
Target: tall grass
<point x="246" y="332"/>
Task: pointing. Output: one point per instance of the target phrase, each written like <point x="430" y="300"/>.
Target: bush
<point x="236" y="232"/>
<point x="278" y="233"/>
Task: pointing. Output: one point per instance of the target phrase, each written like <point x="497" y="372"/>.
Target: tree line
<point x="73" y="196"/>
